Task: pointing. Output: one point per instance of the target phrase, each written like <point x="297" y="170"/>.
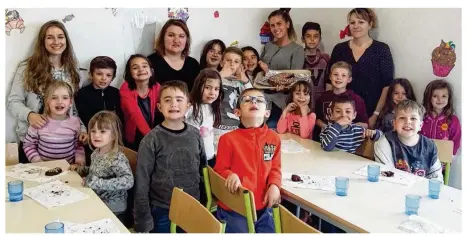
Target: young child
<point x="440" y="121"/>
<point x="315" y="60"/>
<point x="205" y="112"/>
<point x="109" y="175"/>
<point x="211" y="55"/>
<point x="297" y="117"/>
<point x="170" y="155"/>
<point x="58" y="138"/>
<point x="404" y="149"/>
<point x="341" y="133"/>
<point x="399" y="90"/>
<point x="99" y="95"/>
<point x="341" y="75"/>
<point x="234" y="81"/>
<point x="250" y="62"/>
<point x="252" y="162"/>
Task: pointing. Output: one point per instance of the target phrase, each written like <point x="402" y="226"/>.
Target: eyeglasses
<point x="251" y="99"/>
<point x="213" y="52"/>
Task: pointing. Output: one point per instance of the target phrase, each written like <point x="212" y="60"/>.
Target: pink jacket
<point x="296" y="124"/>
<point x="439" y="128"/>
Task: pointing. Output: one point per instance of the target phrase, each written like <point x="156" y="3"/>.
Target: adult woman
<point x="52" y="59"/>
<point x="171" y="60"/>
<point x="371" y="61"/>
<point x="280" y="54"/>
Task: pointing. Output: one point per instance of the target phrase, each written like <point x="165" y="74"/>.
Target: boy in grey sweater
<point x="171" y="155"/>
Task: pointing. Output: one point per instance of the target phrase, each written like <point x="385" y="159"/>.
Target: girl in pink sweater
<point x="298" y="118"/>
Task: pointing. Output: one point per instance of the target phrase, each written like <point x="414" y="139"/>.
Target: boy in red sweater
<point x="251" y="157"/>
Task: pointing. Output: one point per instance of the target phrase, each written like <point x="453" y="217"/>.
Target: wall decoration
<point x="114" y="10"/>
<point x="68" y="18"/>
<point x="216" y="14"/>
<point x="265" y="33"/>
<point x="234" y="44"/>
<point x="178" y="13"/>
<point x="443" y="58"/>
<point x="13" y="21"/>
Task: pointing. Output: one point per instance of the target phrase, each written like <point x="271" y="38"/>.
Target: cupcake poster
<point x="443" y="58"/>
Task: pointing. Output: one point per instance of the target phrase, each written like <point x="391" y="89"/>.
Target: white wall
<point x="412" y="34"/>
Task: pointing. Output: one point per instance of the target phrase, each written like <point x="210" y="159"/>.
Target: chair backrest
<point x="445" y="148"/>
<point x="235" y="201"/>
<point x="366" y="150"/>
<point x="187" y="213"/>
<point x="132" y="156"/>
<point x="289" y="223"/>
<point x="11" y="154"/>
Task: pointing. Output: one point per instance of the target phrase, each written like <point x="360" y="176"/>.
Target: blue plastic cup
<point x="342" y="184"/>
<point x="434" y="187"/>
<point x="54" y="228"/>
<point x="15" y="190"/>
<point x="412" y="203"/>
<point x="373" y="173"/>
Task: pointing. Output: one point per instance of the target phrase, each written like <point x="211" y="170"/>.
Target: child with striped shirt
<point x="341" y="133"/>
<point x="58" y="138"/>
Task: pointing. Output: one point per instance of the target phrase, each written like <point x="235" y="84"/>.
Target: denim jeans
<point x="236" y="223"/>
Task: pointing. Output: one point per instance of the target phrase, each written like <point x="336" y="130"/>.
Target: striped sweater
<point x="347" y="139"/>
<point x="57" y="140"/>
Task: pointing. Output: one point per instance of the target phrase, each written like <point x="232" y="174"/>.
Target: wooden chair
<point x="445" y="149"/>
<point x="286" y="222"/>
<point x="242" y="202"/>
<point x="199" y="219"/>
<point x="11" y="154"/>
<point x="132" y="156"/>
<point x="366" y="150"/>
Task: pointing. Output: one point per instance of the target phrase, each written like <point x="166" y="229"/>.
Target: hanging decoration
<point x="178" y="13"/>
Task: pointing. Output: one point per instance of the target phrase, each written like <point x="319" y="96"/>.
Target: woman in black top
<point x="171" y="60"/>
<point x="371" y="61"/>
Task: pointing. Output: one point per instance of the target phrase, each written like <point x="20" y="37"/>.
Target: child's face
<point x="214" y="56"/>
<point x="312" y="39"/>
<point x="340" y="78"/>
<point x="175" y="39"/>
<point x="343" y="111"/>
<point x="252" y="105"/>
<point x="211" y="90"/>
<point x="232" y="60"/>
<point x="440" y="99"/>
<point x="55" y="41"/>
<point x="407" y="123"/>
<point x="101" y="137"/>
<point x="398" y="94"/>
<point x="101" y="77"/>
<point x="60" y="102"/>
<point x="173" y="104"/>
<point x="140" y="69"/>
<point x="300" y="97"/>
<point x="250" y="61"/>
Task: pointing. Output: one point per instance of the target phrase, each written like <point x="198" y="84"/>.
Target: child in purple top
<point x="58" y="139"/>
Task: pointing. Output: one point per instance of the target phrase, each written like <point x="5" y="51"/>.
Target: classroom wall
<point x="412" y="34"/>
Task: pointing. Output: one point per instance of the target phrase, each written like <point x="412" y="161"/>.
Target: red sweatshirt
<point x="132" y="115"/>
<point x="254" y="154"/>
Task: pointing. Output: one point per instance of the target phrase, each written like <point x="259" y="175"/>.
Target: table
<point x="368" y="207"/>
<point x="28" y="216"/>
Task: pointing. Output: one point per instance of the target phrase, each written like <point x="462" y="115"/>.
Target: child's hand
<point x="273" y="195"/>
<point x="73" y="167"/>
<point x="343" y="121"/>
<point x="232" y="183"/>
<point x="369" y="133"/>
<point x="80" y="162"/>
<point x="263" y="66"/>
<point x="240" y="75"/>
<point x="304" y="109"/>
<point x="290" y="107"/>
<point x="36" y="121"/>
<point x="83" y="138"/>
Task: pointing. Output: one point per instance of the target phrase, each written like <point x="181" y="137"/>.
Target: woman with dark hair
<point x="280" y="54"/>
<point x="171" y="60"/>
<point x="371" y="61"/>
<point x="139" y="95"/>
<point x="211" y="56"/>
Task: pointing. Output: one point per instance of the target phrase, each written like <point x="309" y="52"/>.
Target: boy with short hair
<point x="251" y="157"/>
<point x="341" y="133"/>
<point x="234" y="81"/>
<point x="315" y="60"/>
<point x="405" y="149"/>
<point x="170" y="155"/>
